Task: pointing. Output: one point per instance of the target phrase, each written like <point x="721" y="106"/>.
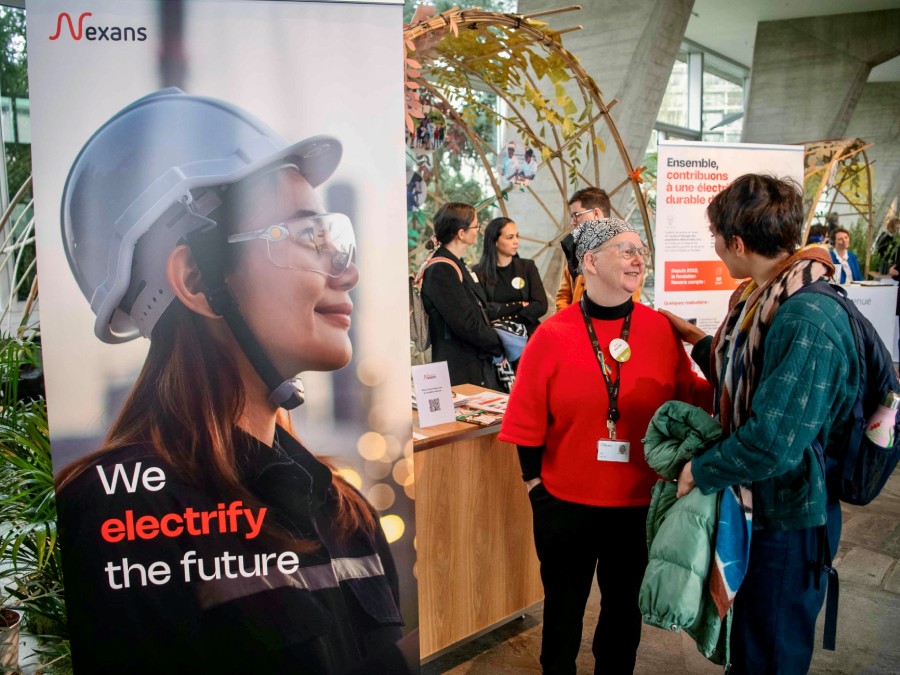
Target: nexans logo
<point x="64" y="23"/>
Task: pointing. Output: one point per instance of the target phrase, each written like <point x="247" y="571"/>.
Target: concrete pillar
<point x="808" y="74"/>
<point x="876" y="119"/>
<point x="629" y="50"/>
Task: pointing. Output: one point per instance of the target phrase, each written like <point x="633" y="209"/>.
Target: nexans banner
<point x="224" y="334"/>
<point x="100" y="32"/>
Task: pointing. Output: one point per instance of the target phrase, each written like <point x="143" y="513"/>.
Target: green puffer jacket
<point x="681" y="533"/>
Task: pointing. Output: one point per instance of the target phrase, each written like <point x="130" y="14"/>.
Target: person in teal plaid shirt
<point x="785" y="370"/>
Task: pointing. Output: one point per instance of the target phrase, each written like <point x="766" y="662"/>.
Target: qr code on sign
<point x="434" y="404"/>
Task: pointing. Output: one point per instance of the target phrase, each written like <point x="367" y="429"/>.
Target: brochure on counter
<point x="489" y="401"/>
<point x="483" y="409"/>
<point x="479" y="417"/>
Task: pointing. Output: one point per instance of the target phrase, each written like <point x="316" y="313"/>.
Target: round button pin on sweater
<point x="620" y="350"/>
<point x="518" y="282"/>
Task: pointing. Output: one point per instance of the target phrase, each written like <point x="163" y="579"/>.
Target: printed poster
<point x="215" y="247"/>
<point x="517" y="165"/>
<point x="691" y="281"/>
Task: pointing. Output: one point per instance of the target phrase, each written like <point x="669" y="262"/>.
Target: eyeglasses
<point x="474" y="227"/>
<point x="323" y="243"/>
<point x="575" y="216"/>
<point x="628" y="250"/>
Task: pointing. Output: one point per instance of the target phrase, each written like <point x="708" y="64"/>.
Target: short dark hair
<point x="817" y="234"/>
<point x="450" y="219"/>
<point x="593" y="198"/>
<point x="764" y="211"/>
<point x="839" y="229"/>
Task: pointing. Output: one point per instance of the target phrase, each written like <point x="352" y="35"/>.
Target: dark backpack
<point x="418" y="318"/>
<point x="857" y="467"/>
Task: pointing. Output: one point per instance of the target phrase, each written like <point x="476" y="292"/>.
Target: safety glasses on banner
<point x="323" y="243"/>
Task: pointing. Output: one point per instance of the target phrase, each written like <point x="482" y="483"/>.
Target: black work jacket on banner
<point x="460" y="332"/>
<point x="234" y="603"/>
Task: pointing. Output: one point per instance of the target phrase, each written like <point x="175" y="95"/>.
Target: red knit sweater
<point x="559" y="400"/>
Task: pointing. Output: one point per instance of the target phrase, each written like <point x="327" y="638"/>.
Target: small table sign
<point x="434" y="400"/>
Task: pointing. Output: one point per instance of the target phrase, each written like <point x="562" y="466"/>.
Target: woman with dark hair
<point x="203" y="536"/>
<point x="461" y="333"/>
<point x="512" y="284"/>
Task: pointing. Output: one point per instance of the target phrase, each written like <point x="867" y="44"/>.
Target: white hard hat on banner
<point x="123" y="205"/>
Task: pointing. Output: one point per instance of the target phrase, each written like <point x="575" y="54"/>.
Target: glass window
<point x="718" y="92"/>
<point x="674" y="107"/>
<point x="723" y="109"/>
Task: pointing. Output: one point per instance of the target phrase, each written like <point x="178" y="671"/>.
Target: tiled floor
<point x="868" y="624"/>
<point x="868" y="640"/>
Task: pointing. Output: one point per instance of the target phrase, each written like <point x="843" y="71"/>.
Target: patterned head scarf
<point x="594" y="233"/>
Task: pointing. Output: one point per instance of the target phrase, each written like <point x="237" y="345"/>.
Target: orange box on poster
<point x="698" y="275"/>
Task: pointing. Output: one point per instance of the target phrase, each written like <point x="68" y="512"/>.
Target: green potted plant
<point x="10" y="622"/>
<point x="29" y="548"/>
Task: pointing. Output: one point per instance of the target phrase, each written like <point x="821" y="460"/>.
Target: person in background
<point x="528" y="170"/>
<point x="784" y="382"/>
<point x="885" y="245"/>
<point x="832" y="223"/>
<point x="587" y="204"/>
<point x="845" y="261"/>
<point x="512" y="284"/>
<point x="460" y="331"/>
<point x="587" y="385"/>
<point x="415" y="192"/>
<point x="509" y="166"/>
<point x="421" y="133"/>
<point x="894" y="273"/>
<point x="817" y="235"/>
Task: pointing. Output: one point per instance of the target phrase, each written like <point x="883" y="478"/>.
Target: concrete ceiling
<point x="729" y="26"/>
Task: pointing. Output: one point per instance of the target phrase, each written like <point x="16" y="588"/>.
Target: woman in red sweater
<point x="588" y="383"/>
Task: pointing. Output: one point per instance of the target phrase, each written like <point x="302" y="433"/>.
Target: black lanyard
<point x="612" y="388"/>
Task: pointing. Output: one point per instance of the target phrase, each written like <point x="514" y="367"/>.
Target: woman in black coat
<point x="512" y="284"/>
<point x="460" y="331"/>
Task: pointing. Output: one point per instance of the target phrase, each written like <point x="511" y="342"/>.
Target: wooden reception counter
<point x="476" y="567"/>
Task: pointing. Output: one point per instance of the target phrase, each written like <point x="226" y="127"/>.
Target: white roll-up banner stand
<point x="690" y="279"/>
<point x="184" y="155"/>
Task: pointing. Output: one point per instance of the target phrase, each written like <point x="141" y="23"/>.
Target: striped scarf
<point x="738" y="349"/>
<point x="737" y="346"/>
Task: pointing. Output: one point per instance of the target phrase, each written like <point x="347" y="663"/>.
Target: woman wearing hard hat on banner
<point x="202" y="536"/>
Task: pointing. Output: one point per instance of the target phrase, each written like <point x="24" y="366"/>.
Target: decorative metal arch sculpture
<point x="451" y="56"/>
<point x="842" y="168"/>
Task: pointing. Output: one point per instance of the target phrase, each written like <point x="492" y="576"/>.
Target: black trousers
<point x="573" y="541"/>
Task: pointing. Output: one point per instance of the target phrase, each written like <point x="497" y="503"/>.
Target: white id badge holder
<point x="613" y="450"/>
